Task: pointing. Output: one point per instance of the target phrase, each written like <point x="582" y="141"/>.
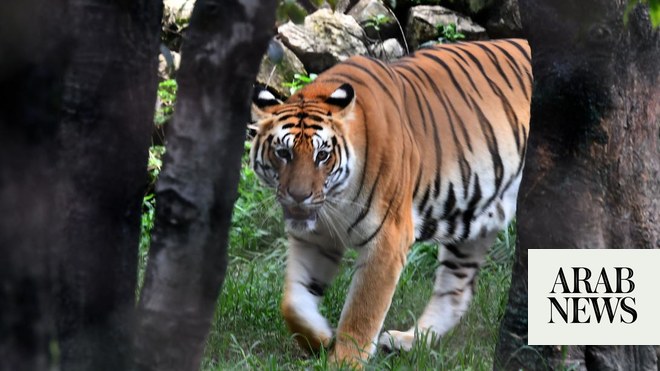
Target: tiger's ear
<point x="261" y="99"/>
<point x="344" y="99"/>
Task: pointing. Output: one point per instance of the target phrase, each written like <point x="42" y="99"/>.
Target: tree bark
<point x="34" y="57"/>
<point x="198" y="184"/>
<point x="107" y="120"/>
<point x="592" y="176"/>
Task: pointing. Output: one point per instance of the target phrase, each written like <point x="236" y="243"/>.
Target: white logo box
<point x="643" y="300"/>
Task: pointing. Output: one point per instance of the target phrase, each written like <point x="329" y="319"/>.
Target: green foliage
<point x="376" y="21"/>
<point x="257" y="219"/>
<point x="155" y="162"/>
<point x="654" y="10"/>
<point x="299" y="80"/>
<point x="447" y="33"/>
<point x="167" y="96"/>
<point x="146" y="226"/>
<point x="290" y="10"/>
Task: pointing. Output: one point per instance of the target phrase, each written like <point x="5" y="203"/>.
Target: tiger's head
<point x="301" y="147"/>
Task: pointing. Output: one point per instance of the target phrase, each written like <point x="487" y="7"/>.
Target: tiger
<point x="374" y="157"/>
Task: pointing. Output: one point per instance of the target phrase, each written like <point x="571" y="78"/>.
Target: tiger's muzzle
<point x="300" y="210"/>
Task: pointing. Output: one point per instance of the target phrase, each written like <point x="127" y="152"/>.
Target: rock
<point x="344" y="6"/>
<point x="168" y="64"/>
<point x="176" y="17"/>
<point x="180" y="9"/>
<point x="275" y="74"/>
<point x="387" y="50"/>
<point x="423" y="19"/>
<point x="325" y="39"/>
<point x="504" y="20"/>
<point x="375" y="18"/>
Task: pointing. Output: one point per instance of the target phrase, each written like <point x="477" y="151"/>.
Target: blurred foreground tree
<point x="198" y="185"/>
<point x="75" y="122"/>
<point x="592" y="176"/>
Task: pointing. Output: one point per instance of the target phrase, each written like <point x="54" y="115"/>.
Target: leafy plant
<point x="447" y="33"/>
<point x="376" y="21"/>
<point x="291" y="10"/>
<point x="654" y="10"/>
<point x="299" y="80"/>
<point x="146" y="225"/>
<point x="155" y="162"/>
<point x="167" y="96"/>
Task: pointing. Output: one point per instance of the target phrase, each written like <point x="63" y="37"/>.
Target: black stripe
<point x="425" y="199"/>
<point x="437" y="148"/>
<point x="465" y="72"/>
<point x="454" y="250"/>
<point x="476" y="61"/>
<point x="461" y="125"/>
<point x="450" y="202"/>
<point x="459" y="274"/>
<point x="380" y="226"/>
<point x="366" y="156"/>
<point x="438" y="294"/>
<point x="491" y="142"/>
<point x="468" y="214"/>
<point x="520" y="48"/>
<point x="517" y="73"/>
<point x="315" y="287"/>
<point x="442" y="63"/>
<point x="429" y="226"/>
<point x="436" y="138"/>
<point x="451" y="221"/>
<point x="378" y="80"/>
<point x="366" y="208"/>
<point x="449" y="264"/>
<point x="332" y="255"/>
<point x="436" y="185"/>
<point x="463" y="163"/>
<point x="495" y="62"/>
<point x="417" y="181"/>
<point x="417" y="100"/>
<point x="458" y="265"/>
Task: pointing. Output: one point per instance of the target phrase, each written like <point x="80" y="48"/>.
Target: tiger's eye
<point x="283" y="153"/>
<point x="322" y="156"/>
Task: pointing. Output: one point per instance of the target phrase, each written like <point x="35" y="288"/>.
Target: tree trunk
<point x="592" y="176"/>
<point x="31" y="70"/>
<point x="198" y="185"/>
<point x="104" y="135"/>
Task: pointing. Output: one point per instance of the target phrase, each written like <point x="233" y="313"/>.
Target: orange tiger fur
<point x="375" y="156"/>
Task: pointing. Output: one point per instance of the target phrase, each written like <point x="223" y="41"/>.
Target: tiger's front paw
<point x="311" y="331"/>
<point x="311" y="339"/>
<point x="397" y="340"/>
<point x="346" y="354"/>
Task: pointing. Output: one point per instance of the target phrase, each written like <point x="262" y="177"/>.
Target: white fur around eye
<point x="339" y="94"/>
<point x="266" y="95"/>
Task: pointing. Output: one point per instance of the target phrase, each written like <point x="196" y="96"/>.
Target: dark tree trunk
<point x="198" y="185"/>
<point x="34" y="57"/>
<point x="107" y="112"/>
<point x="592" y="177"/>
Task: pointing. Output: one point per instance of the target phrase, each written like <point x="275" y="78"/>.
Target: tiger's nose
<point x="298" y="196"/>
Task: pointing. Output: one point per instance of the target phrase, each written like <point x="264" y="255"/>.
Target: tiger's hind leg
<point x="452" y="292"/>
<point x="310" y="268"/>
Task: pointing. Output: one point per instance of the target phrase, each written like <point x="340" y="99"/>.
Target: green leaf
<point x="295" y="12"/>
<point x="654" y="11"/>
